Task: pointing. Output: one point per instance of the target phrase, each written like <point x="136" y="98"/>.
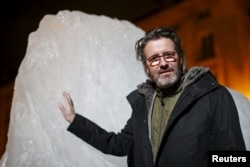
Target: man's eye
<point x="154" y="58"/>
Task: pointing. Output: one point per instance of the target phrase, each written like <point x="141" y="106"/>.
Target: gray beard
<point x="168" y="82"/>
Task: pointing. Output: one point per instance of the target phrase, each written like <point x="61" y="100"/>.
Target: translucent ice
<point x="243" y="106"/>
<point x="93" y="58"/>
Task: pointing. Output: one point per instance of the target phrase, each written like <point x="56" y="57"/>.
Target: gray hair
<point x="157" y="33"/>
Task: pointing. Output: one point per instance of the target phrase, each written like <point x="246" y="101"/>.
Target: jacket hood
<point x="190" y="76"/>
<point x="193" y="74"/>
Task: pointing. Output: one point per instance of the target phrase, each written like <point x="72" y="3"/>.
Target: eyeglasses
<point x="168" y="57"/>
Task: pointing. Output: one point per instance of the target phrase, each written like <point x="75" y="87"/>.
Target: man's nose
<point x="163" y="62"/>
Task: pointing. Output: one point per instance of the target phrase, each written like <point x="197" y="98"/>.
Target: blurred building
<point x="214" y="33"/>
<point x="6" y="94"/>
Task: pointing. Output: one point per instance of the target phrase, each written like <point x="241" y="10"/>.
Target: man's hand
<point x="67" y="109"/>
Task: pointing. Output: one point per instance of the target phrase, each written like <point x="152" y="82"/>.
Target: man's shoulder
<point x="132" y="96"/>
<point x="197" y="75"/>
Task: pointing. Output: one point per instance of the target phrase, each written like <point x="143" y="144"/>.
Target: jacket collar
<point x="148" y="88"/>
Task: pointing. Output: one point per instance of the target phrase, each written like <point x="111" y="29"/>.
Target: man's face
<point x="162" y="62"/>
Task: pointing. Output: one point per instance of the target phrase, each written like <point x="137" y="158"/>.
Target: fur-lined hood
<point x="148" y="88"/>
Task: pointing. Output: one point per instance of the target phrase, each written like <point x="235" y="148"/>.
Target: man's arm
<point x="228" y="134"/>
<point x="107" y="142"/>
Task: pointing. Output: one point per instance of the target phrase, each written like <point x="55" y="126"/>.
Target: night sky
<point x="21" y="17"/>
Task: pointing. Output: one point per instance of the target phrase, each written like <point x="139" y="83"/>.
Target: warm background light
<point x="214" y="33"/>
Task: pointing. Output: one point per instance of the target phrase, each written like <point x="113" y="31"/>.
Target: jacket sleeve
<point x="228" y="134"/>
<point x="107" y="142"/>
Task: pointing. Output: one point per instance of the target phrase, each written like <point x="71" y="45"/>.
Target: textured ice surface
<point x="243" y="106"/>
<point x="92" y="57"/>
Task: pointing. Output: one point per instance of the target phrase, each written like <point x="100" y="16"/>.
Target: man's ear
<point x="182" y="64"/>
<point x="181" y="60"/>
<point x="146" y="71"/>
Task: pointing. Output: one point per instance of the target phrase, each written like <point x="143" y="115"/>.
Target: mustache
<point x="165" y="70"/>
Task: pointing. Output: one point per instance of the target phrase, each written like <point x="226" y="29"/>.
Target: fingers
<point x="61" y="106"/>
<point x="67" y="98"/>
<point x="67" y="108"/>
